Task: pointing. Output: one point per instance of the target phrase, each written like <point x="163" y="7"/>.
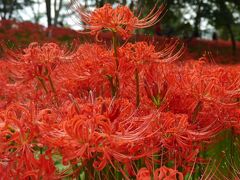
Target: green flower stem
<point x="51" y="84"/>
<point x="137" y="87"/>
<point x="114" y="84"/>
<point x="115" y="47"/>
<point x="53" y="90"/>
<point x="232" y="151"/>
<point x="42" y="81"/>
<point x="197" y="109"/>
<point x="75" y="103"/>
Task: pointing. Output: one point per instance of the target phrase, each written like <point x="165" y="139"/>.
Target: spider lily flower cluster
<point x="74" y="114"/>
<point x="120" y="20"/>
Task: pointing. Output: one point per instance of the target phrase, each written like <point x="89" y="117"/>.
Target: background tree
<point x="48" y="11"/>
<point x="35" y="10"/>
<point x="223" y="19"/>
<point x="57" y="6"/>
<point x="9" y="7"/>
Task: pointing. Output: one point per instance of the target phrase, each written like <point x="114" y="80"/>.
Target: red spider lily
<point x="120" y="20"/>
<point x="36" y="169"/>
<point x="175" y="128"/>
<point x="36" y="60"/>
<point x="142" y="53"/>
<point x="90" y="130"/>
<point x="167" y="173"/>
<point x="90" y="66"/>
<point x="160" y="174"/>
<point x="94" y="132"/>
<point x="143" y="174"/>
<point x="19" y="142"/>
<point x="136" y="58"/>
<point x="155" y="93"/>
<point x="33" y="68"/>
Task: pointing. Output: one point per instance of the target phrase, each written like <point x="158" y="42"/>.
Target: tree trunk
<point x="196" y="31"/>
<point x="57" y="11"/>
<point x="101" y="3"/>
<point x="233" y="40"/>
<point x="4" y="9"/>
<point x="131" y="5"/>
<point x="13" y="4"/>
<point x="97" y="3"/>
<point x="48" y="8"/>
<point x="228" y="24"/>
<point x="36" y="13"/>
<point x="86" y="3"/>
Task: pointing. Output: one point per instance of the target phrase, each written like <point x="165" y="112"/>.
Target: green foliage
<point x="224" y="155"/>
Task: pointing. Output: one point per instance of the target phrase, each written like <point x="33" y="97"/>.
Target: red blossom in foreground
<point x="162" y="173"/>
<point x="91" y="126"/>
<point x="143" y="174"/>
<point x="20" y="139"/>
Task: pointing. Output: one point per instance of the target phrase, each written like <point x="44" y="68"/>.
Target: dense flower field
<point x="130" y="110"/>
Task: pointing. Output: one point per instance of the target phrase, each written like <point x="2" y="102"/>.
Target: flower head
<point x="36" y="60"/>
<point x="120" y="20"/>
<point x="167" y="173"/>
<point x="143" y="174"/>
